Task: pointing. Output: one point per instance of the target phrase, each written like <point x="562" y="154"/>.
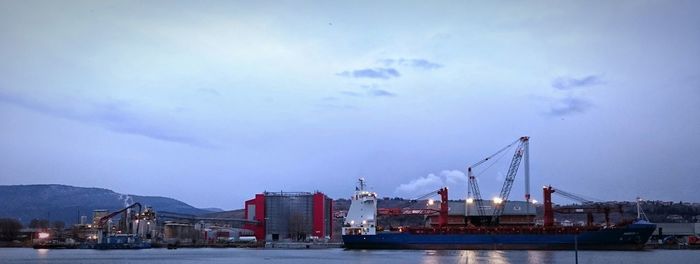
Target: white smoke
<point x="432" y="181"/>
<point x="422" y="183"/>
<point x="454" y="177"/>
<point x="126" y="199"/>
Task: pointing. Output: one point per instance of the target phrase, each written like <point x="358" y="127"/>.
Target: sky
<point x="210" y="102"/>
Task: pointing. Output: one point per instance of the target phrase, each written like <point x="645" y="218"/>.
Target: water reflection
<point x="468" y="256"/>
<point x="497" y="257"/>
<point x="431" y="257"/>
<point x="42" y="252"/>
<point x="465" y="256"/>
<point x="487" y="256"/>
<point x="438" y="256"/>
<point x="540" y="257"/>
<point x="339" y="256"/>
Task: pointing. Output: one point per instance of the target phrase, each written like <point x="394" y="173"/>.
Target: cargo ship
<point x="496" y="224"/>
<point x="360" y="231"/>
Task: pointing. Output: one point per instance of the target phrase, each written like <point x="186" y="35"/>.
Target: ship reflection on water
<point x="488" y="256"/>
<point x="540" y="257"/>
<point x="338" y="256"/>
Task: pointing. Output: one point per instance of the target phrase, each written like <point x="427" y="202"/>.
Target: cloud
<point x="433" y="182"/>
<point x="424" y="64"/>
<point x="372" y="90"/>
<point x="569" y="105"/>
<point x="375" y="73"/>
<point x="571" y="101"/>
<point x="380" y="92"/>
<point x="209" y="91"/>
<point x="388" y="71"/>
<point x="113" y="115"/>
<point x="349" y="93"/>
<point x="336" y="106"/>
<point x="566" y="83"/>
<point x="414" y="63"/>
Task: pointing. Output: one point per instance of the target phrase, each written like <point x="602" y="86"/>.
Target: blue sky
<point x="212" y="101"/>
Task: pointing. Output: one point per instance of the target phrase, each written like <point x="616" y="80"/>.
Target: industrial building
<point x="677" y="229"/>
<point x="676" y="236"/>
<point x="290" y="216"/>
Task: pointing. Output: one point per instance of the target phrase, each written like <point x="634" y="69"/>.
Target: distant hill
<point x="67" y="203"/>
<point x="213" y="209"/>
<point x="238" y="214"/>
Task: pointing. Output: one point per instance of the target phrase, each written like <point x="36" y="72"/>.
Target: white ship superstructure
<point x="362" y="215"/>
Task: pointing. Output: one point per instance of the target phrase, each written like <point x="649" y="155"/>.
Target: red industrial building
<point x="290" y="216"/>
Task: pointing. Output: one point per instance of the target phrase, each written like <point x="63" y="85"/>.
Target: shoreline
<point x="303" y="246"/>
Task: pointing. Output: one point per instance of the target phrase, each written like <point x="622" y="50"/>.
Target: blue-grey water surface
<point x="330" y="256"/>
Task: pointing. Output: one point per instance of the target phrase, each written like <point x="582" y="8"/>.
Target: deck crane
<point x="474" y="194"/>
<point x="520" y="152"/>
<point x="407" y="210"/>
<point x="587" y="207"/>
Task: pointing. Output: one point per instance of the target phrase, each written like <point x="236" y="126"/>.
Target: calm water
<point x="329" y="256"/>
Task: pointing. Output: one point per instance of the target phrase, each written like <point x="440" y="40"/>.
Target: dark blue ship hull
<point x="631" y="237"/>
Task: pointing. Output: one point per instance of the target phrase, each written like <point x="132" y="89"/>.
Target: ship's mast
<point x="639" y="212"/>
<point x="526" y="159"/>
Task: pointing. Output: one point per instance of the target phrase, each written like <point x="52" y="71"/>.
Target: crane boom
<point x="442" y="212"/>
<point x="474" y="194"/>
<point x="574" y="197"/>
<point x="588" y="207"/>
<point x="510" y="177"/>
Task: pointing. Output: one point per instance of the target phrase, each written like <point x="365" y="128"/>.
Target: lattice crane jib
<point x="520" y="152"/>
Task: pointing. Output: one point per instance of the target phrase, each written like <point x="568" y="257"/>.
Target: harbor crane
<point x="474" y="194"/>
